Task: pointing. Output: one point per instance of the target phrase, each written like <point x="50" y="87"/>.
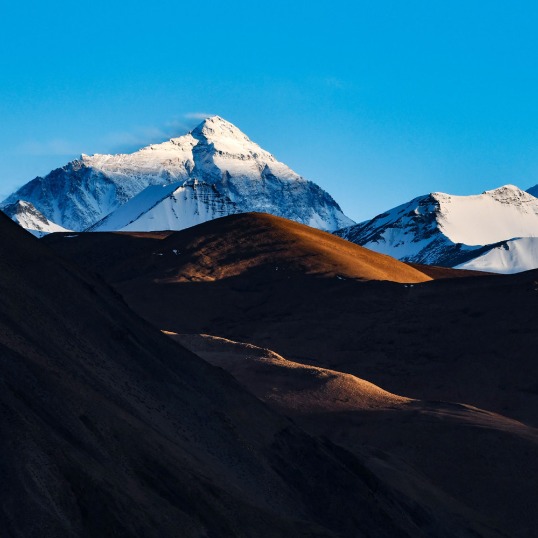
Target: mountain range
<point x="216" y="170"/>
<point x="212" y="171"/>
<point x="196" y="368"/>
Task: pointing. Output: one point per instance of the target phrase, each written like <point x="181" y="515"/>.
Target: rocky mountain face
<point x="212" y="171"/>
<point x="454" y="231"/>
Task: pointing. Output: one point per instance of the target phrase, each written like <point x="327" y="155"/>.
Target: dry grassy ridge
<point x="468" y="339"/>
<point x="109" y="428"/>
<point x="232" y="245"/>
<point x="236" y="244"/>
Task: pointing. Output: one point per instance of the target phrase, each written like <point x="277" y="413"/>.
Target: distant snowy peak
<point x="27" y="216"/>
<point x="245" y="177"/>
<point x="510" y="194"/>
<point x="443" y="229"/>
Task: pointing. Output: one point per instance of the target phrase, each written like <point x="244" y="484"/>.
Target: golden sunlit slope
<point x="233" y="245"/>
<point x="470" y="340"/>
<point x="286" y="384"/>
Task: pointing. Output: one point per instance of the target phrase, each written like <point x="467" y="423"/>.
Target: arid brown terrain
<point x="429" y="380"/>
<point x="250" y="278"/>
<point x="109" y="428"/>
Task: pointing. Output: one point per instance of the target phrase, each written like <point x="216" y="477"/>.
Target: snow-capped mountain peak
<point x="494" y="215"/>
<point x="218" y="167"/>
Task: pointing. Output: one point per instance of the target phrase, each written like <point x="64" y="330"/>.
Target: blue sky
<point x="378" y="102"/>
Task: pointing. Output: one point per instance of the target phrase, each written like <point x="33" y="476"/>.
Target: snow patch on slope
<point x="171" y="207"/>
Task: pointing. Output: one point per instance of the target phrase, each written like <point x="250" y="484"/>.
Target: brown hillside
<point x="469" y="340"/>
<point x="233" y="245"/>
<point x="436" y="272"/>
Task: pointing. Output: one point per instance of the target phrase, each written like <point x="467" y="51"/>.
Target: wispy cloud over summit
<point x="111" y="142"/>
<point x="144" y="135"/>
<point x="198" y="115"/>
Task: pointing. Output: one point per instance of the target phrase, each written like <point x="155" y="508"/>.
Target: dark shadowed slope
<point x="436" y="452"/>
<point x="111" y="429"/>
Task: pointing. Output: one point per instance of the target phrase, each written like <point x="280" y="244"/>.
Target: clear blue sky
<point x="377" y="101"/>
